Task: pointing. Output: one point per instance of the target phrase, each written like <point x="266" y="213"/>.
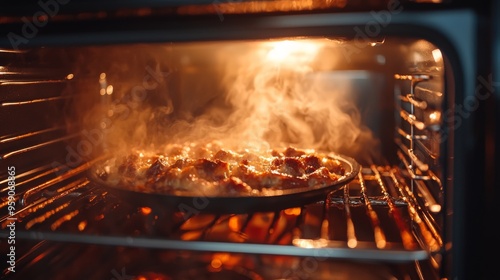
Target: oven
<point x="406" y="89"/>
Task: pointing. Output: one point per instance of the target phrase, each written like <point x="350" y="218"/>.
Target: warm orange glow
<point x="381" y="243"/>
<point x="435" y="208"/>
<point x="288" y="51"/>
<point x="145" y="210"/>
<point x="234" y="223"/>
<point x="293" y="211"/>
<point x="109" y="90"/>
<point x="100" y="217"/>
<point x="63" y="219"/>
<point x="273" y="93"/>
<point x="216" y="263"/>
<point x="310" y="243"/>
<point x="435" y="116"/>
<point x="224" y="259"/>
<point x="191" y="235"/>
<point x="82" y="225"/>
<point x="352" y="243"/>
<point x="45" y="216"/>
<point x="198" y="222"/>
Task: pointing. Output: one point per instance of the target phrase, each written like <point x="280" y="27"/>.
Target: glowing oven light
<point x="284" y="50"/>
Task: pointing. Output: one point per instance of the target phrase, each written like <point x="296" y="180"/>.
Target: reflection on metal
<point x="26" y="198"/>
<point x="410" y="118"/>
<point x="3" y="104"/>
<point x="334" y="249"/>
<point x="29" y="134"/>
<point x="352" y="241"/>
<point x="430" y="120"/>
<point x="37" y="146"/>
<point x="35" y="81"/>
<point x="13" y="51"/>
<point x="413" y="100"/>
<point x="404" y="230"/>
<point x="379" y="235"/>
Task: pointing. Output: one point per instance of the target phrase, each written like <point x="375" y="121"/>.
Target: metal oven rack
<point x="376" y="217"/>
<point x="418" y="135"/>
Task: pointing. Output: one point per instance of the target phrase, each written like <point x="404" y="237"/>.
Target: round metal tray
<point x="266" y="201"/>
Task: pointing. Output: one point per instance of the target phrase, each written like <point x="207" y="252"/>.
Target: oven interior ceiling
<point x="379" y="102"/>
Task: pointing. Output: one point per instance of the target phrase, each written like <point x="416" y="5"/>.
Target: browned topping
<point x="129" y="165"/>
<point x="293" y="167"/>
<point x="181" y="163"/>
<point x="234" y="185"/>
<point x="211" y="170"/>
<point x="225" y="172"/>
<point x="156" y="168"/>
<point x="291" y="152"/>
<point x="311" y="163"/>
<point x="225" y="155"/>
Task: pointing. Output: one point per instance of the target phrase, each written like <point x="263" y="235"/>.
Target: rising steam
<point x="272" y="96"/>
<point x="278" y="98"/>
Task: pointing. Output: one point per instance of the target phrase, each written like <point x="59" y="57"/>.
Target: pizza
<point x="213" y="170"/>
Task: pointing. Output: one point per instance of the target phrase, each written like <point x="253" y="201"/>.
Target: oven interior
<point x="380" y="102"/>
